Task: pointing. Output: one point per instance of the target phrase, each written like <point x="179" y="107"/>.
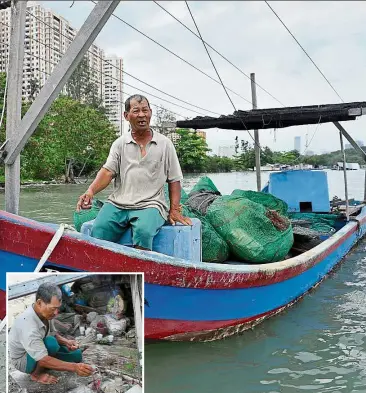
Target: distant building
<point x="202" y="134"/>
<point x="309" y="153"/>
<point x="226" y="151"/>
<point x="297" y="143"/>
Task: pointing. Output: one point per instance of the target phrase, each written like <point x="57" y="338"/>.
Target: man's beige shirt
<point x="139" y="181"/>
<point x="26" y="337"/>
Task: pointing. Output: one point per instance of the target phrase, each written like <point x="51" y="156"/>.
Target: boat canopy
<point x="256" y="119"/>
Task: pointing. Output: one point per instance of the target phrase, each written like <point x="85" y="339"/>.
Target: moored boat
<point x="185" y="298"/>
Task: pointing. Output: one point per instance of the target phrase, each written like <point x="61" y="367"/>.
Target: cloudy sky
<point x="251" y="37"/>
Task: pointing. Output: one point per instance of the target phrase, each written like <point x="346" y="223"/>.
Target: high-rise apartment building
<point x="47" y="37"/>
<point x="297" y="143"/>
<point x="112" y="90"/>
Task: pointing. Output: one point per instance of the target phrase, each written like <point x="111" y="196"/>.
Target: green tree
<point x="191" y="150"/>
<point x="69" y="136"/>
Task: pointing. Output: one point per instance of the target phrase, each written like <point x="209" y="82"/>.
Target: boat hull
<point x="183" y="300"/>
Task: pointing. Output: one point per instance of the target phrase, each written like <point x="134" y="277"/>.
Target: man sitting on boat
<point x="35" y="345"/>
<point x="140" y="162"/>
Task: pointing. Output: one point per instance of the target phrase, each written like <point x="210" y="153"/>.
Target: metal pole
<point x="14" y="100"/>
<point x="257" y="148"/>
<point x="345" y="175"/>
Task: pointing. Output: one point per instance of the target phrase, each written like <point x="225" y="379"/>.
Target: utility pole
<point x="257" y="148"/>
<point x="14" y="101"/>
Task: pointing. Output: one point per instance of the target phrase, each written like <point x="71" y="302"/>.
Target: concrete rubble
<point x="98" y="314"/>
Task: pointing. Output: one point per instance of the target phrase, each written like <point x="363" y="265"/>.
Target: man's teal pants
<point x="57" y="351"/>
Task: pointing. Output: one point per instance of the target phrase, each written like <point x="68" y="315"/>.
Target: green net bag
<point x="267" y="200"/>
<point x="252" y="232"/>
<point x="214" y="248"/>
<point x="204" y="184"/>
<point x="86" y="215"/>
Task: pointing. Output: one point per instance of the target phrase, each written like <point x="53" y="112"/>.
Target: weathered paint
<point x="24" y="241"/>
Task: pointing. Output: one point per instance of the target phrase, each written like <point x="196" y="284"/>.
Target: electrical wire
<point x="302" y="48"/>
<point x="218" y="75"/>
<point x="221" y="55"/>
<point x="111" y="64"/>
<point x="174" y="54"/>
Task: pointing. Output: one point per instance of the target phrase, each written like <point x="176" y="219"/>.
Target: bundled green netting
<point x="204" y="184"/>
<point x="320" y="222"/>
<point x="252" y="232"/>
<point x="86" y="215"/>
<point x="267" y="200"/>
<point x="214" y="248"/>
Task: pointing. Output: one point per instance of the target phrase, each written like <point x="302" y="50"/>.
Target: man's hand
<point x="72" y="345"/>
<point x="83" y="370"/>
<point x="175" y="215"/>
<point x="85" y="201"/>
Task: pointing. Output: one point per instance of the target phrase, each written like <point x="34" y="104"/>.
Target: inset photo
<point x="75" y="333"/>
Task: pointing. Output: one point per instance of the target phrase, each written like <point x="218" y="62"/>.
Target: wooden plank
<point x="14" y="102"/>
<point x="62" y="72"/>
<point x="276" y="117"/>
<point x="28" y="287"/>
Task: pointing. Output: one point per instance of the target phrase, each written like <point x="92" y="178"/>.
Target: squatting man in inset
<point x="140" y="162"/>
<point x="35" y="345"/>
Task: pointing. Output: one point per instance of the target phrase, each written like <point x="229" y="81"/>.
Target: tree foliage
<point x="70" y="135"/>
<point x="191" y="150"/>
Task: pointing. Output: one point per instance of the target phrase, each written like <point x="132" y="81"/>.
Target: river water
<point x="319" y="345"/>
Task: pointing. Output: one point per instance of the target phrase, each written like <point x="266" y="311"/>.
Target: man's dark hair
<point x="46" y="291"/>
<point x="138" y="97"/>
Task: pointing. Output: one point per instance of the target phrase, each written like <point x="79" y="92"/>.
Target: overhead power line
<point x="176" y="55"/>
<point x="216" y="51"/>
<point x="119" y="90"/>
<point x="126" y="73"/>
<point x="217" y="73"/>
<point x="302" y="48"/>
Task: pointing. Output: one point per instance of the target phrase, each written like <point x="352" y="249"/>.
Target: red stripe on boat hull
<point x="174" y="330"/>
<point x="28" y="238"/>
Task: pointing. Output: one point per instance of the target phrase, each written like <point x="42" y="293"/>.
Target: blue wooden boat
<point x="186" y="299"/>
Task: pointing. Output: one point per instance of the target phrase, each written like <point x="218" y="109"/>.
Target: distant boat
<point x="350" y="166"/>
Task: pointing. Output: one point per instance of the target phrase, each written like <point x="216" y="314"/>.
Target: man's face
<point x="50" y="310"/>
<point x="139" y="115"/>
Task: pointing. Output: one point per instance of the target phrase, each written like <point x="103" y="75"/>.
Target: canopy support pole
<point x="257" y="148"/>
<point x="345" y="175"/>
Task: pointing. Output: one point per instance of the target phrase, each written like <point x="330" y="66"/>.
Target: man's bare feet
<point x="44" y="378"/>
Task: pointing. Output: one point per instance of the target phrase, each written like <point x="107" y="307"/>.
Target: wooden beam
<point x="62" y="72"/>
<point x="31" y="286"/>
<point x="350" y="139"/>
<point x="14" y="101"/>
